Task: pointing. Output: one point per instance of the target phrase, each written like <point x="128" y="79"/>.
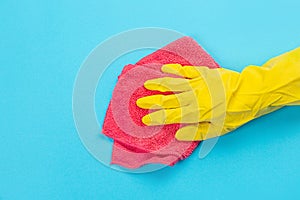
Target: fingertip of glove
<point x="182" y="136"/>
<point x="188" y="134"/>
<point x="151" y="85"/>
<point x="146" y="120"/>
<point x="168" y="66"/>
<point x="139" y="103"/>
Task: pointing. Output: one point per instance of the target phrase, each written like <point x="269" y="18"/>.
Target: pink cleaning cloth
<point x="134" y="143"/>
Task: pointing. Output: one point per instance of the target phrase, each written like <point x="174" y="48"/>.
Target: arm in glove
<point x="213" y="102"/>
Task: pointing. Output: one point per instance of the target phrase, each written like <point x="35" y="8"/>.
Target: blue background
<point x="42" y="46"/>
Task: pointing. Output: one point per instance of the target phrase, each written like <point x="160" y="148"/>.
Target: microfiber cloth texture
<point x="134" y="143"/>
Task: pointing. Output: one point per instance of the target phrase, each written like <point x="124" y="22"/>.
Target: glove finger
<point x="196" y="132"/>
<point x="186" y="114"/>
<point x="184" y="71"/>
<point x="165" y="101"/>
<point x="168" y="84"/>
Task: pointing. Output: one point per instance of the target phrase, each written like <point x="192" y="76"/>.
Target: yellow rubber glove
<point x="213" y="102"/>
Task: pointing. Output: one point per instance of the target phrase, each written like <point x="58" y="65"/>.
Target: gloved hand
<point x="213" y="102"/>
